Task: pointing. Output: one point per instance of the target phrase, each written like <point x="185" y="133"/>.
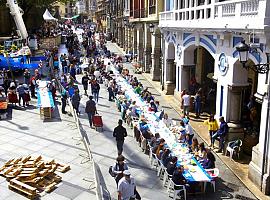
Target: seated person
<point x="189" y="131"/>
<point x="160" y="150"/>
<point x="178" y="177"/>
<point x="188" y="141"/>
<point x="185" y="119"/>
<point x="155" y="147"/>
<point x="145" y="131"/>
<point x="209" y="162"/>
<point x="166" y="120"/>
<point x="154" y="139"/>
<point x="152" y="106"/>
<point x="195" y="145"/>
<point x="138" y="89"/>
<point x="171" y="165"/>
<point x="165" y="158"/>
<point x="132" y="109"/>
<point x="202" y="151"/>
<point x="182" y="130"/>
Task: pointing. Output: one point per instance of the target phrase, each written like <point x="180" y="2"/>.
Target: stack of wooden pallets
<point x="32" y="175"/>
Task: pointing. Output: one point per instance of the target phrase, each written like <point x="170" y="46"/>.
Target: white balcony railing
<point x="233" y="9"/>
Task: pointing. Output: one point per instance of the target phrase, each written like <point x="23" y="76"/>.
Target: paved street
<point x="24" y="133"/>
<point x="104" y="150"/>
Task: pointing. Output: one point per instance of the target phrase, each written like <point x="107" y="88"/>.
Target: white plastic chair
<point x="167" y="177"/>
<point x="161" y="169"/>
<point x="176" y="192"/>
<point x="233" y="150"/>
<point x="214" y="173"/>
<point x="154" y="160"/>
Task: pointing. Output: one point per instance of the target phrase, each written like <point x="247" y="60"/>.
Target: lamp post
<point x="243" y="50"/>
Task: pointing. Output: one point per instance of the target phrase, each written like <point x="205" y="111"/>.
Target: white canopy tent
<point x="47" y="16"/>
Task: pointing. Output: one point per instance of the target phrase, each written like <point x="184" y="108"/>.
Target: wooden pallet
<point x="31" y="175"/>
<point x="27" y="190"/>
<point x="62" y="167"/>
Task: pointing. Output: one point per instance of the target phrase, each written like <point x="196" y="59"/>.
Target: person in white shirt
<point x="186" y="103"/>
<point x="166" y="120"/>
<point x="189" y="131"/>
<point x="127" y="187"/>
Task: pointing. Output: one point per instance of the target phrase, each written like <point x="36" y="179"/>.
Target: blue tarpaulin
<point x="16" y="63"/>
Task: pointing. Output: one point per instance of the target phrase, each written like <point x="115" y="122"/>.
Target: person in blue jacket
<point x="221" y="134"/>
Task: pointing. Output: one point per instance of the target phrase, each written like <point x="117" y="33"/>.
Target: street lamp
<point x="243" y="50"/>
<point x="151" y="27"/>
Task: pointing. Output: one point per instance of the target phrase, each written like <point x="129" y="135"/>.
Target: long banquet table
<point x="194" y="172"/>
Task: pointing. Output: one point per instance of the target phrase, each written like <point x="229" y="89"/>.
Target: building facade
<point x="199" y="51"/>
<point x="140" y="14"/>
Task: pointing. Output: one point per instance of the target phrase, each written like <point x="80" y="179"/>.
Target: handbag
<point x="111" y="171"/>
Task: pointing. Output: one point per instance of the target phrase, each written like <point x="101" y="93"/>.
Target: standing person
<point x="186" y="103"/>
<point x="127" y="187"/>
<point x="95" y="89"/>
<point x="221" y="134"/>
<point x="212" y="127"/>
<point x="91" y="110"/>
<point x="64" y="101"/>
<point x="198" y="103"/>
<point x="72" y="71"/>
<point x="26" y="94"/>
<point x="26" y="76"/>
<point x="33" y="87"/>
<point x="85" y="81"/>
<point x="75" y="100"/>
<point x="111" y="93"/>
<point x="119" y="167"/>
<point x="12" y="95"/>
<point x="21" y="93"/>
<point x="120" y="133"/>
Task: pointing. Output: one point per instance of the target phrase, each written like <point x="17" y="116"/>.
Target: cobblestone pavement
<point x="104" y="150"/>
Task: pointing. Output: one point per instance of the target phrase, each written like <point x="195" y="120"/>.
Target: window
<point x="152" y="7"/>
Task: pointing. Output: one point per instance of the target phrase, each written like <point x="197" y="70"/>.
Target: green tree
<point x="27" y="5"/>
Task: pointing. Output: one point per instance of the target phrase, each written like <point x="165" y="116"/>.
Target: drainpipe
<point x="265" y="149"/>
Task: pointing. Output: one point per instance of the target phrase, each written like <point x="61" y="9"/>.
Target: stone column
<point x="140" y="45"/>
<point x="156" y="61"/>
<point x="170" y="82"/>
<point x="135" y="50"/>
<point x="122" y="39"/>
<point x="130" y="41"/>
<point x="119" y="35"/>
<point x="147" y="50"/>
<point x="199" y="64"/>
<point x="234" y="114"/>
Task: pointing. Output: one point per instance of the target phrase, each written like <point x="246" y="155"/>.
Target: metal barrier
<point x="84" y="139"/>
